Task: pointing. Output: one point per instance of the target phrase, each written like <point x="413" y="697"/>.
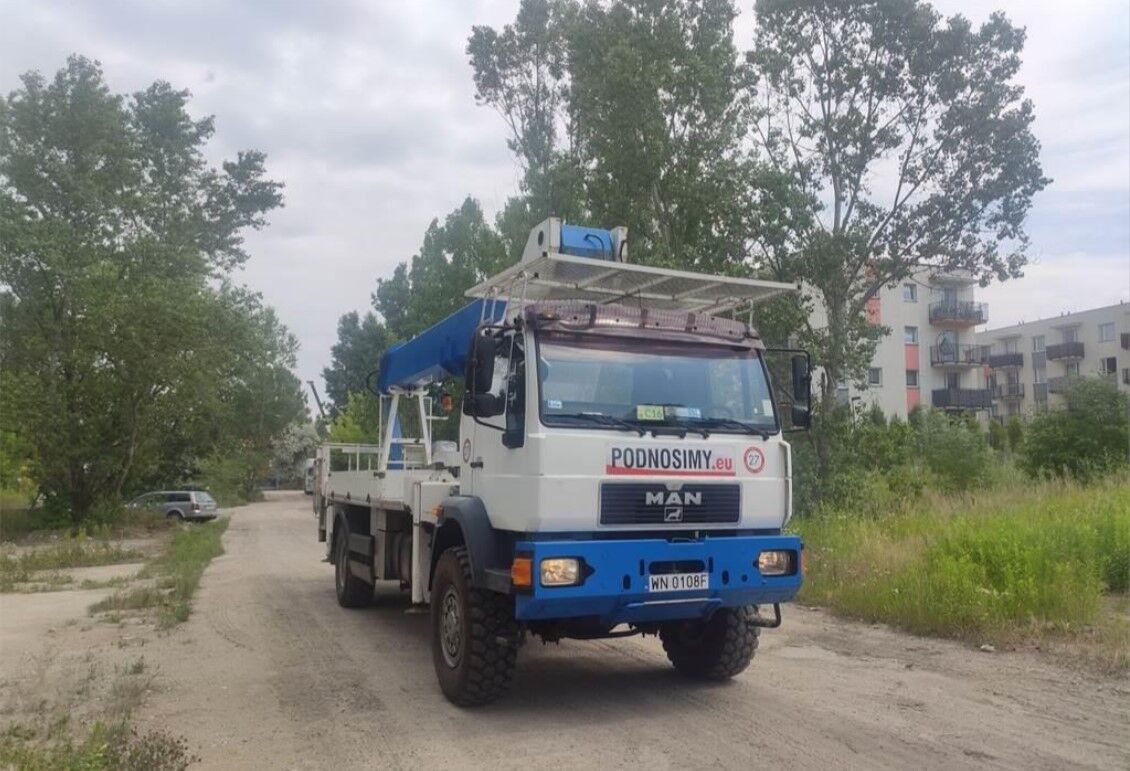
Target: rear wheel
<point x="352" y="592"/>
<point x="716" y="649"/>
<point x="474" y="634"/>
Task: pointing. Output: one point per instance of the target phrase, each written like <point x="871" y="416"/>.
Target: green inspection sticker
<point x="650" y="412"/>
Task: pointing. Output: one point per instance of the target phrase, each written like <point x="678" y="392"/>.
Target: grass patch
<point x="177" y="573"/>
<point x="76" y="552"/>
<point x="1003" y="566"/>
<point x="105" y="522"/>
<point x="114" y="746"/>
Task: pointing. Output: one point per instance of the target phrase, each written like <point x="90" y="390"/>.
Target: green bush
<point x="1043" y="554"/>
<point x="1090" y="436"/>
<point x="998" y="435"/>
<point x="1015" y="431"/>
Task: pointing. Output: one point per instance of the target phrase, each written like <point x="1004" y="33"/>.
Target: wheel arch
<point x="465" y="523"/>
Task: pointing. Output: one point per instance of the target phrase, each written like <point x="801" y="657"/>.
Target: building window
<point x="912" y="378"/>
<point x="1072" y="368"/>
<point x="1070" y="335"/>
<point x="1039" y="375"/>
<point x="910" y="293"/>
<point x="1038" y="343"/>
<point x="1106" y="332"/>
<point x="910" y="335"/>
<point x="875" y="376"/>
<point x="1108" y="365"/>
<point x="842" y="395"/>
<point x="1009" y="346"/>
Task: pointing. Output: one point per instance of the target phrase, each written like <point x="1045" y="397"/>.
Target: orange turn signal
<point x="522" y="572"/>
<point x="446" y="402"/>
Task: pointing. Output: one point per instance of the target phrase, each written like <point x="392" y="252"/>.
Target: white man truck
<point x="620" y="468"/>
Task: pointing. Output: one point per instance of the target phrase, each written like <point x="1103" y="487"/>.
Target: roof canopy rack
<point x="556" y="276"/>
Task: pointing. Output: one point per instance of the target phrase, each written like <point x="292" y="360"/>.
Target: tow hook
<point x="768" y="623"/>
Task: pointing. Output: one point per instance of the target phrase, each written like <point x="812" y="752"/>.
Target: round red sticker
<point x="754" y="460"/>
<point x="466" y="450"/>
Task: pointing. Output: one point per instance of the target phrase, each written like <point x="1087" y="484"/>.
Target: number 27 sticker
<point x="754" y="460"/>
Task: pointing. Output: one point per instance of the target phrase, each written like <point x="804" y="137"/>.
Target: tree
<point x="360" y="343"/>
<point x="454" y="256"/>
<point x="906" y="145"/>
<point x="521" y="73"/>
<point x="122" y="340"/>
<point x="655" y="96"/>
<point x="1089" y="436"/>
<point x="357" y="421"/>
<point x="626" y="113"/>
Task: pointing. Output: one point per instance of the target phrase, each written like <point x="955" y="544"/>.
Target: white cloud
<point x="366" y="111"/>
<point x="1064" y="283"/>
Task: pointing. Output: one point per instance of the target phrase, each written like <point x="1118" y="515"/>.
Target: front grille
<point x="655" y="504"/>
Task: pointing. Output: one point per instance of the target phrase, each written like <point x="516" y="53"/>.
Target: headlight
<point x="775" y="563"/>
<point x="560" y="571"/>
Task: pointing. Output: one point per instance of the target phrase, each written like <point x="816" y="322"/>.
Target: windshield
<point x="652" y="383"/>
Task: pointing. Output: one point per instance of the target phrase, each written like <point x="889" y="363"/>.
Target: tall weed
<point x="969" y="566"/>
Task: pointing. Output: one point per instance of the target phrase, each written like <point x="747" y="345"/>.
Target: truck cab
<point x="622" y="466"/>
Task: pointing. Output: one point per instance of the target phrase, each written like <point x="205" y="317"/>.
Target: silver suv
<point x="179" y="504"/>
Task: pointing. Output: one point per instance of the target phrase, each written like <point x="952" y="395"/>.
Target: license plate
<point x="678" y="582"/>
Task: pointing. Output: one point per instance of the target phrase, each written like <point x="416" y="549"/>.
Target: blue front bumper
<point x="616" y="587"/>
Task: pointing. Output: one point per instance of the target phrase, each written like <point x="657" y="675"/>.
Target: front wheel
<point x="716" y="649"/>
<point x="474" y="634"/>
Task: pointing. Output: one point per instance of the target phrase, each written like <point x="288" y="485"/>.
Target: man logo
<point x="672" y="498"/>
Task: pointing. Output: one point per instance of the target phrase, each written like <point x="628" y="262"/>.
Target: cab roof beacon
<point x="621" y="467"/>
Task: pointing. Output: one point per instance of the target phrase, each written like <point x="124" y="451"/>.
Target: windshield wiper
<point x="738" y="424"/>
<point x="606" y="420"/>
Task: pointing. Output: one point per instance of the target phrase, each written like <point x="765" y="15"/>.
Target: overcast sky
<point x="366" y="111"/>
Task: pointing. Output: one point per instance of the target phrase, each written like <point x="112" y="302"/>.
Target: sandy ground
<point x="270" y="673"/>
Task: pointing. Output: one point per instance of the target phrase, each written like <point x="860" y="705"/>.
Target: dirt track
<point x="270" y="673"/>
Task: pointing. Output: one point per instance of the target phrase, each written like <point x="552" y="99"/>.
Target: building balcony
<point x="1006" y="360"/>
<point x="1059" y="385"/>
<point x="1065" y="351"/>
<point x="954" y="355"/>
<point x="962" y="398"/>
<point x="958" y="314"/>
<point x="1008" y="391"/>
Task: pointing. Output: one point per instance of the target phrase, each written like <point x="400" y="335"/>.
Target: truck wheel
<point x="352" y="592"/>
<point x="472" y="664"/>
<point x="716" y="649"/>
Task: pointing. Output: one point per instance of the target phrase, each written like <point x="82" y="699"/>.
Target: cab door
<point x="495" y="460"/>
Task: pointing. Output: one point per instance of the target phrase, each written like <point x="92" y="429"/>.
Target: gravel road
<point x="270" y="673"/>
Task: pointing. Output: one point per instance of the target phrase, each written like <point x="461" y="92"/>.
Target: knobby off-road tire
<point x="716" y="650"/>
<point x="474" y="666"/>
<point x="352" y="592"/>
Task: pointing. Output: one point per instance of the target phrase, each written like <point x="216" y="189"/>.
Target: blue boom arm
<point x="439" y="351"/>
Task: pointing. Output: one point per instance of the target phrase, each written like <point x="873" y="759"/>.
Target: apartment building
<point x="1029" y="365"/>
<point x="932" y="356"/>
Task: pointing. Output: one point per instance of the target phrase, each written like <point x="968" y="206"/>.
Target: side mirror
<point x="801" y="417"/>
<point x="802" y="381"/>
<point x="486" y="348"/>
<point x="486" y="405"/>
